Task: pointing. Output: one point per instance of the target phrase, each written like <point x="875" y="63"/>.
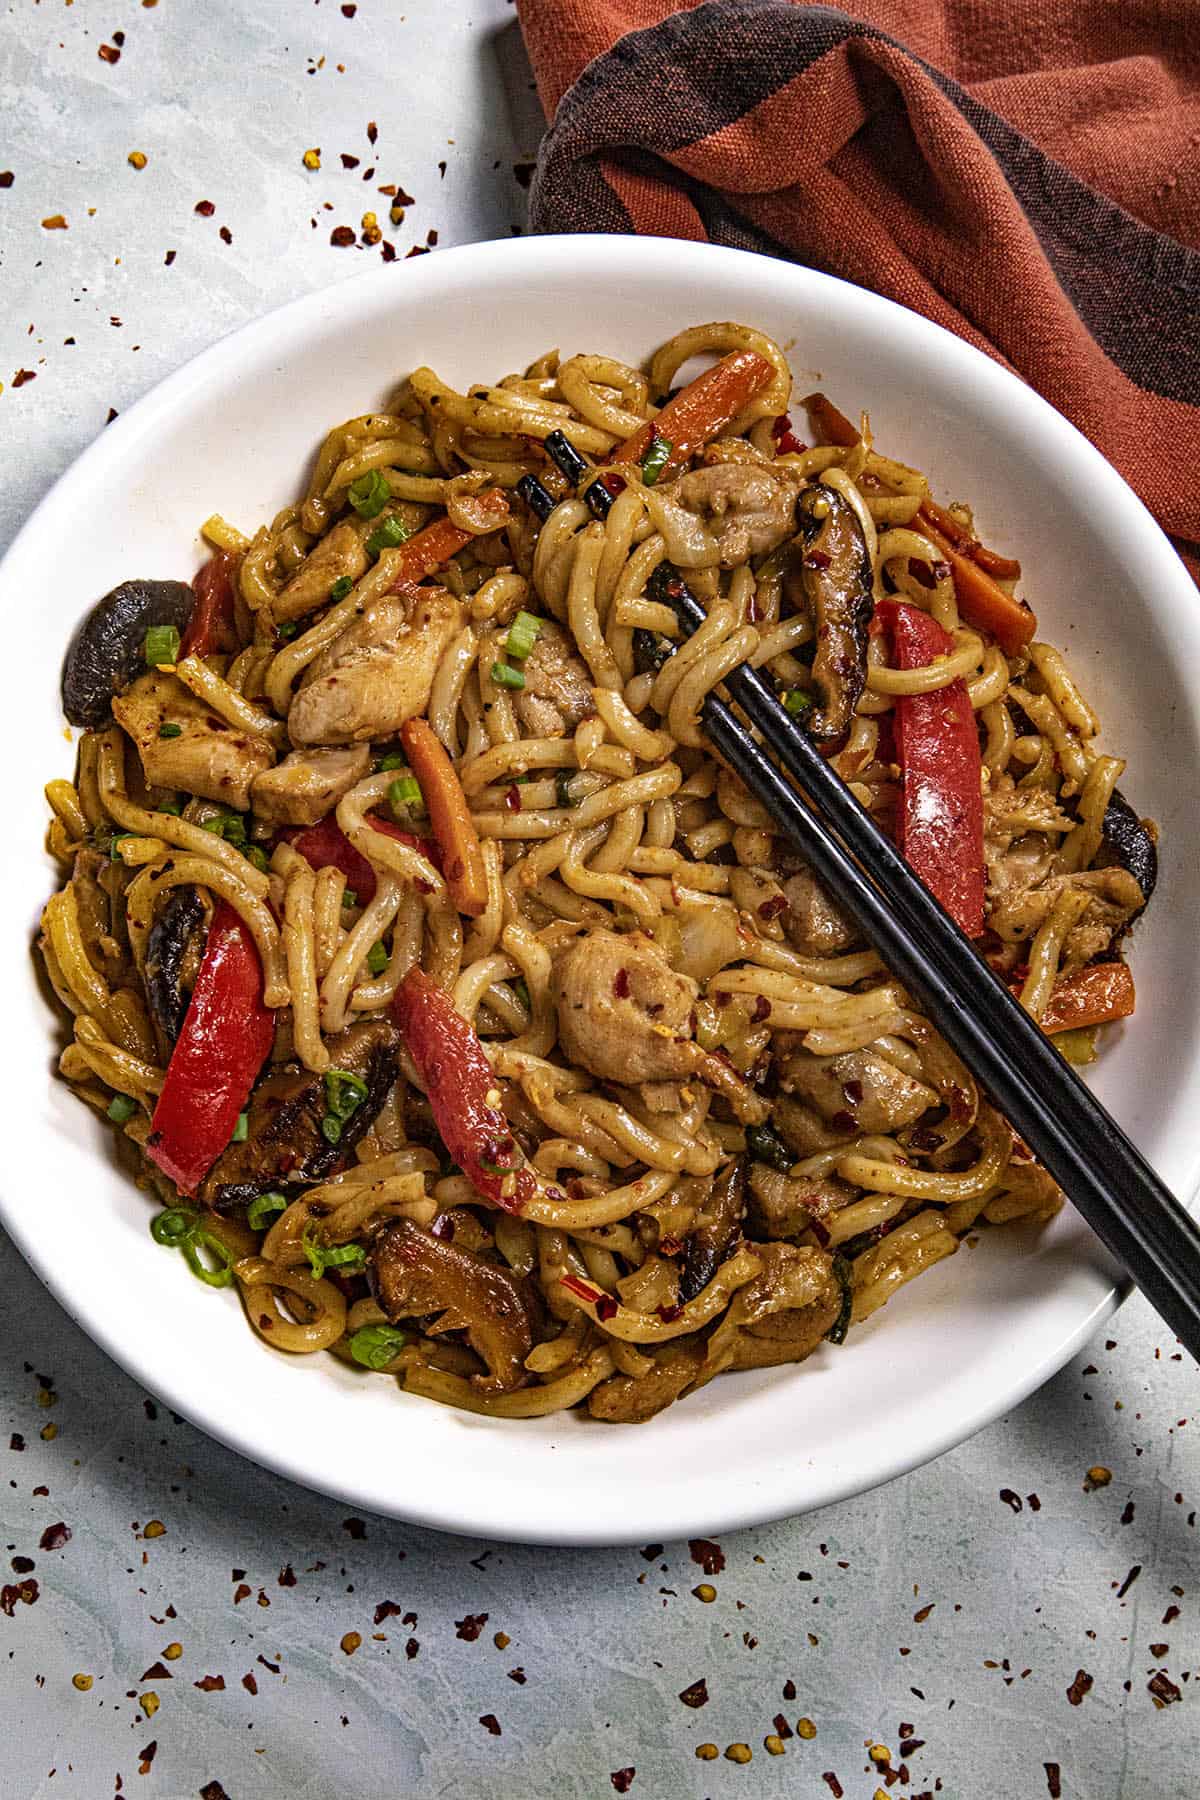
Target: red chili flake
<point x="1159" y="1650"/>
<point x="147" y="1757"/>
<point x="210" y="1684"/>
<point x="512" y="798"/>
<point x="24" y="1565"/>
<point x="118" y="37"/>
<point x="1053" y="1780"/>
<point x="940" y="570"/>
<point x="606" y="1307"/>
<point x="834" y="1785"/>
<point x="55" y="1536"/>
<point x="910" y="1745"/>
<point x="213" y="1790"/>
<point x="16" y="1441"/>
<point x="1162" y="1689"/>
<point x="621" y="984"/>
<point x="853" y="1091"/>
<point x="341" y="237"/>
<point x="1081" y="1685"/>
<point x="1127" y="1515"/>
<point x="22" y="376"/>
<point x="491" y="1723"/>
<point x="843" y="1120"/>
<point x="771" y="909"/>
<point x="411" y="1648"/>
<point x="205" y="208"/>
<point x="518" y="1675"/>
<point x="651" y="1551"/>
<point x="274" y="1667"/>
<point x="789" y="1689"/>
<point x="24" y="1591"/>
<point x="669" y="1314"/>
<point x="695" y="1696"/>
<point x="523" y="173"/>
<point x="817" y="559"/>
<point x="287" y="1576"/>
<point x="782" y="1728"/>
<point x="1011" y="1499"/>
<point x="249" y="1683"/>
<point x="356" y="1528"/>
<point x="1129" y="1581"/>
<point x="417" y="250"/>
<point x="1170" y="1616"/>
<point x="372" y="132"/>
<point x="225" y="235"/>
<point x="387" y="251"/>
<point x="622" y="1779"/>
<point x="157" y="1672"/>
<point x="6" y="178"/>
<point x="468" y="1629"/>
<point x="349" y="11"/>
<point x="387" y="1609"/>
<point x="241" y="1592"/>
<point x="109" y="53"/>
<point x="819" y="1231"/>
<point x="710" y="1556"/>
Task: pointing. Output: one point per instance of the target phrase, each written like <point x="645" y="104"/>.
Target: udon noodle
<point x="721" y="1133"/>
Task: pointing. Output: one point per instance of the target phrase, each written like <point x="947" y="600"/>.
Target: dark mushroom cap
<point x="106" y="652"/>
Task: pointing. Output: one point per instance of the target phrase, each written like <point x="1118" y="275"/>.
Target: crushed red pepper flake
<point x="518" y="1675"/>
<point x="342" y="236"/>
<point x="23" y="1565"/>
<point x="210" y="1684"/>
<point x="24" y="1591"/>
<point x="147" y="1756"/>
<point x="55" y="1536"/>
<point x="357" y="1528"/>
<point x="109" y="53"/>
<point x="710" y="1556"/>
<point x="1162" y="1690"/>
<point x="1012" y="1499"/>
<point x="387" y="1609"/>
<point x="1082" y="1684"/>
<point x="56" y="222"/>
<point x="212" y="1790"/>
<point x="491" y="1723"/>
<point x="1129" y="1581"/>
<point x="622" y="1779"/>
<point x="241" y="1592"/>
<point x="468" y="1629"/>
<point x="249" y="1683"/>
<point x="833" y="1784"/>
<point x="287" y="1576"/>
<point x="156" y="1672"/>
<point x="1158" y="1651"/>
<point x="205" y="208"/>
<point x="697" y="1694"/>
<point x="1053" y="1780"/>
<point x="6" y="178"/>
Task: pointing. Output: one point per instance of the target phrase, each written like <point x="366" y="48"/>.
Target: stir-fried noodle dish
<point x="456" y="1005"/>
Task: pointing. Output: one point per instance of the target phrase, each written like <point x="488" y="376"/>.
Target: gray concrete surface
<point x="987" y="1605"/>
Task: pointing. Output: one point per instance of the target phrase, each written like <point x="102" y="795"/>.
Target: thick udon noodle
<point x="626" y="822"/>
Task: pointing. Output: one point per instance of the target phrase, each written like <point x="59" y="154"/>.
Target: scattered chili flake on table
<point x="622" y="1779"/>
<point x="55" y="222"/>
<point x="1081" y="1685"/>
<point x="55" y="1536"/>
<point x="109" y="53"/>
<point x="205" y="208"/>
<point x="357" y="1528"/>
<point x="210" y="1684"/>
<point x="491" y="1723"/>
<point x="6" y="178"/>
<point x="312" y="158"/>
<point x="697" y="1694"/>
<point x="710" y="1556"/>
<point x="137" y="159"/>
<point x="342" y="237"/>
<point x="834" y="1785"/>
<point x="225" y="235"/>
<point x="1097" y="1477"/>
<point x="1011" y="1499"/>
<point x="468" y="1629"/>
<point x="1053" y="1780"/>
<point x="351" y="1642"/>
<point x="1162" y="1690"/>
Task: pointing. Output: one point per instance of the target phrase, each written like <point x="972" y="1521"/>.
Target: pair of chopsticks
<point x="1072" y="1135"/>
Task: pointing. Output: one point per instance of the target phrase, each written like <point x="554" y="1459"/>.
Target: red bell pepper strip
<point x="937" y="745"/>
<point x="212" y="625"/>
<point x="431" y="548"/>
<point x="700" y="411"/>
<point x="226" y="1037"/>
<point x="450" y="816"/>
<point x="326" y="846"/>
<point x="784" y="438"/>
<point x="461" y="1087"/>
<point x="1095" y="996"/>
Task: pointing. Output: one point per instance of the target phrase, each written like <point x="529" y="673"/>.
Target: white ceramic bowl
<point x="233" y="432"/>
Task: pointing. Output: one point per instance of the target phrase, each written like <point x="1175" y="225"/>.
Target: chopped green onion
<point x="349" y="897"/>
<point x="331" y="1129"/>
<point x="520" y="988"/>
<point x="767" y="1147"/>
<point x="522" y="635"/>
<point x="393" y="760"/>
<point x="388" y="535"/>
<point x="405" y="795"/>
<point x="340" y="588"/>
<point x="173" y="1226"/>
<point x="656" y="459"/>
<point x="375" y="1346"/>
<point x="332" y="1256"/>
<point x="241" y="1130"/>
<point x="212" y="1274"/>
<point x="506" y="677"/>
<point x="228" y="825"/>
<point x="161" y="645"/>
<point x="377" y="959"/>
<point x="257" y="856"/>
<point x="170" y="731"/>
<point x="262" y="1208"/>
<point x="169" y="806"/>
<point x="841" y="1325"/>
<point x="114" y="854"/>
<point x="796" y="701"/>
<point x="120" y="1108"/>
<point x="562" y="787"/>
<point x="287" y="630"/>
<point x="344" y="1092"/>
<point x="369" y="494"/>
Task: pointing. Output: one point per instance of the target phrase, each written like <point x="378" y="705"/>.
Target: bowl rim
<point x="462" y="1511"/>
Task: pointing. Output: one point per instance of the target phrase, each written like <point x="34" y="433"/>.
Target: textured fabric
<point x="1024" y="172"/>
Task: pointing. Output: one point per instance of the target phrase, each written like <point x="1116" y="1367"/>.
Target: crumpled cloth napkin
<point x="1024" y="172"/>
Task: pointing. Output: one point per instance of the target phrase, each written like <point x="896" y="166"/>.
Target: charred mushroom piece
<point x="631" y="1399"/>
<point x="173" y="951"/>
<point x="836" y="577"/>
<point x="108" y="649"/>
<point x="415" y="1273"/>
<point x="1132" y="846"/>
<point x="716" y="1228"/>
<point x="285" y="1145"/>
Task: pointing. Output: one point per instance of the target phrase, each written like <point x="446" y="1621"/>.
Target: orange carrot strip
<point x="1096" y="996"/>
<point x="1004" y="568"/>
<point x="700" y="410"/>
<point x="828" y="423"/>
<point x="449" y="815"/>
<point x="437" y="543"/>
<point x="1010" y="621"/>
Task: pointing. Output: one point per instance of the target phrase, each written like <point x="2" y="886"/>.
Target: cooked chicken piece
<point x="284" y="1142"/>
<point x="858" y="1091"/>
<point x="623" y="1013"/>
<point x="415" y="1273"/>
<point x="308" y="784"/>
<point x="631" y="1399"/>
<point x="802" y="1129"/>
<point x="747" y="509"/>
<point x="782" y="1206"/>
<point x="557" y="695"/>
<point x="340" y="552"/>
<point x="378" y="673"/>
<point x="208" y="757"/>
<point x="814" y="924"/>
<point x="1022" y="830"/>
<point x="787" y="1309"/>
<point x="1116" y="898"/>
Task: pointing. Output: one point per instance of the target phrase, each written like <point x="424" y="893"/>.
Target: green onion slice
<point x="520" y="988"/>
<point x="241" y="1130"/>
<point x="170" y="730"/>
<point x="505" y="676"/>
<point x="262" y="1208"/>
<point x="562" y="787"/>
<point x="405" y="795"/>
<point x="522" y="635"/>
<point x="161" y="645"/>
<point x="389" y="534"/>
<point x="201" y="1243"/>
<point x="349" y="897"/>
<point x="331" y="1129"/>
<point x="656" y="459"/>
<point x="173" y="1226"/>
<point x="344" y="1092"/>
<point x="256" y="855"/>
<point x="370" y="494"/>
<point x="796" y="701"/>
<point x="332" y="1256"/>
<point x="375" y="1346"/>
<point x="339" y="590"/>
<point x="290" y="627"/>
<point x="377" y="959"/>
<point x="120" y="1108"/>
<point x="393" y="760"/>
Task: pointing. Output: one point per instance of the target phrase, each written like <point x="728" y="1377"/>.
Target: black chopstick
<point x="1106" y="1177"/>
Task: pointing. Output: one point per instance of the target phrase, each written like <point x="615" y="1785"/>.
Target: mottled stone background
<point x="175" y="1623"/>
